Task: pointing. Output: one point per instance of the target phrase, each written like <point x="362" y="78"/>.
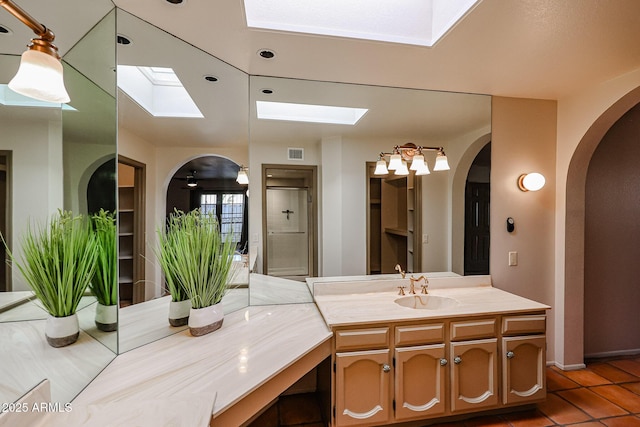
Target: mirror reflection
<point x="48" y="156"/>
<point x="161" y="150"/>
<point x="422" y="223"/>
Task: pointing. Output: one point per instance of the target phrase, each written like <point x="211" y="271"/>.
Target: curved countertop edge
<point x="253" y="346"/>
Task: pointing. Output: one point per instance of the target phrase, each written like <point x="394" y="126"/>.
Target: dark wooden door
<point x="476" y="228"/>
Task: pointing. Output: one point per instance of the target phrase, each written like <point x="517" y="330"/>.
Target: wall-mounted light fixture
<point x="191" y="180"/>
<point x="410" y="152"/>
<point x="243" y="177"/>
<point x="531" y="181"/>
<point x="40" y="73"/>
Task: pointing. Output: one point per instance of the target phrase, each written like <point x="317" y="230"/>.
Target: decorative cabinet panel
<point x="474" y="374"/>
<point x="523" y="369"/>
<point x="420" y="381"/>
<point x="363" y="387"/>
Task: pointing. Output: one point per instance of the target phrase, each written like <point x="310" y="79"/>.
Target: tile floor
<point x="606" y="393"/>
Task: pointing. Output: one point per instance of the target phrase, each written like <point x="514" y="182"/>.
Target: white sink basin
<point x="426" y="302"/>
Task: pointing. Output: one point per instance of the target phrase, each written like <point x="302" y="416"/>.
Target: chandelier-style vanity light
<point x="410" y="152"/>
<point x="40" y="73"/>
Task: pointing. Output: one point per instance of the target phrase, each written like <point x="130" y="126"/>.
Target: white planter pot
<point x="106" y="317"/>
<point x="205" y="320"/>
<point x="62" y="331"/>
<point x="179" y="312"/>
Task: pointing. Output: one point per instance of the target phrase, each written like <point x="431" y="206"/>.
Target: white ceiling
<point x="523" y="48"/>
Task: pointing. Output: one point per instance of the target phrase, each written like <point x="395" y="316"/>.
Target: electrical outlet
<point x="513" y="258"/>
<point x="425" y="239"/>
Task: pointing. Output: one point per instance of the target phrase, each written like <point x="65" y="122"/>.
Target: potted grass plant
<point x="58" y="262"/>
<point x="196" y="257"/>
<point x="104" y="284"/>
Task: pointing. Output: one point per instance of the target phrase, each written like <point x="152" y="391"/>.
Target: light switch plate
<point x="513" y="258"/>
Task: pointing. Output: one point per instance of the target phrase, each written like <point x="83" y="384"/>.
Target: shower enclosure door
<point x="287" y="232"/>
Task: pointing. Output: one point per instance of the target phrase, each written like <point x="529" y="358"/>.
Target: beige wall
<point x="524" y="140"/>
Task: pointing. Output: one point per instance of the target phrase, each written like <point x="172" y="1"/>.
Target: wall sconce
<point x="531" y="181"/>
<point x="191" y="180"/>
<point x="243" y="177"/>
<point x="40" y="73"/>
<point x="410" y="152"/>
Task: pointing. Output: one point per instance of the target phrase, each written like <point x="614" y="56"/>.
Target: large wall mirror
<point x="196" y="135"/>
<point x="283" y="146"/>
<point x="48" y="156"/>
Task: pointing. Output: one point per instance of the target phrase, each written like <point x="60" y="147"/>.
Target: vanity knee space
<point x="395" y="372"/>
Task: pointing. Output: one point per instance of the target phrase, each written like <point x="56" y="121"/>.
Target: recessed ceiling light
<point x="266" y="54"/>
<point x="5" y="30"/>
<point x="415" y="22"/>
<point x="267" y="91"/>
<point x="123" y="40"/>
<point x="210" y="78"/>
<point x="176" y="1"/>
<point x="309" y="113"/>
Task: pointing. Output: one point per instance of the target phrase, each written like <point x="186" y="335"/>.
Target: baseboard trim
<point x="617" y="353"/>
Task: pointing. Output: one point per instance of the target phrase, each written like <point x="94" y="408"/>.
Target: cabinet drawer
<point x="362" y="339"/>
<point x="472" y="329"/>
<point x="527" y="324"/>
<point x="419" y="334"/>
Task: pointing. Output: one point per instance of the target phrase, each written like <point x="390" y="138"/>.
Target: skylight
<point x="416" y="22"/>
<point x="158" y="90"/>
<point x="309" y="113"/>
<point x="13" y="99"/>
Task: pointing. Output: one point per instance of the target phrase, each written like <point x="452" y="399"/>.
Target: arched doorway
<point x="572" y="296"/>
<point x="209" y="183"/>
<point x="612" y="232"/>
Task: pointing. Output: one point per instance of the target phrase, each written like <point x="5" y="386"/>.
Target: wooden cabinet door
<point x="523" y="369"/>
<point x="474" y="374"/>
<point x="420" y="381"/>
<point x="363" y="381"/>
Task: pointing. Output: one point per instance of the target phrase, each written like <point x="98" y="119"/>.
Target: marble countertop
<point x="375" y="301"/>
<point x="253" y="346"/>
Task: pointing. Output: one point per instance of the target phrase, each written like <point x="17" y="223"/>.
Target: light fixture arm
<point x="411" y="147"/>
<point x="45" y="36"/>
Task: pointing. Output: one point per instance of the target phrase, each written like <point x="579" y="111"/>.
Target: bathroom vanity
<point x="464" y="347"/>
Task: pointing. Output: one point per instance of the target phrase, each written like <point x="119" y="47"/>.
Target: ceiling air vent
<point x="295" y="153"/>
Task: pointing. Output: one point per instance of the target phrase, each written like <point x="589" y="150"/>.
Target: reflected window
<point x="229" y="208"/>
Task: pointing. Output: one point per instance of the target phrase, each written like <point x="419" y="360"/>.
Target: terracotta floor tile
<point x="620" y="396"/>
<point x="630" y="365"/>
<point x="560" y="411"/>
<point x="634" y="387"/>
<point x="628" y="421"/>
<point x="533" y="418"/>
<point x="588" y="424"/>
<point x="611" y="372"/>
<point x="591" y="403"/>
<point x="557" y="381"/>
<point x="488" y="421"/>
<point x="586" y="378"/>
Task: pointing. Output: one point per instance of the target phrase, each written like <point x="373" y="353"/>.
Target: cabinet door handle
<point x="443" y="362"/>
<point x="457" y="360"/>
<point x="386" y="368"/>
<point x="510" y="354"/>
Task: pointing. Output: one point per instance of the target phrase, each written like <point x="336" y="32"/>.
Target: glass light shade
<point x="531" y="182"/>
<point x="442" y="164"/>
<point x="423" y="171"/>
<point x="191" y="182"/>
<point x="395" y="162"/>
<point x="381" y="168"/>
<point x="242" y="178"/>
<point x="40" y="77"/>
<point x="417" y="162"/>
<point x="403" y="169"/>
